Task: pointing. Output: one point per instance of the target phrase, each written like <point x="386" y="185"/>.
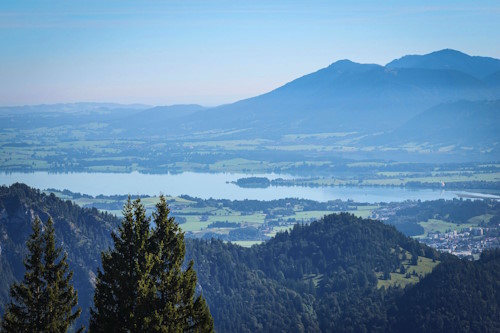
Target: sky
<point x="215" y="52"/>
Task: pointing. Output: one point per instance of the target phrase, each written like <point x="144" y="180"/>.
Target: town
<point x="467" y="243"/>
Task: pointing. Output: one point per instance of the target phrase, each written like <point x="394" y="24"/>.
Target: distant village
<point x="466" y="243"/>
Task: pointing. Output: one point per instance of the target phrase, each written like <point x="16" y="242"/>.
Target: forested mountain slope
<point x="320" y="277"/>
<point x="83" y="234"/>
<point x="459" y="296"/>
<point x="327" y="277"/>
<point x="338" y="274"/>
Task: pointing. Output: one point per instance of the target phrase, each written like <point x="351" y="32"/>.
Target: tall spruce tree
<point x="142" y="286"/>
<point x="44" y="301"/>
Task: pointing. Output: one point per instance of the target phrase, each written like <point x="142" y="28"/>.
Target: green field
<point x="363" y="211"/>
<point x="247" y="243"/>
<point x="433" y="225"/>
<point x="424" y="267"/>
<point x="196" y="215"/>
<point x="87" y="147"/>
<point x="195" y="219"/>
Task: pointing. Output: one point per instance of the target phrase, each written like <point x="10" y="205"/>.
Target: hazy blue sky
<point x="212" y="52"/>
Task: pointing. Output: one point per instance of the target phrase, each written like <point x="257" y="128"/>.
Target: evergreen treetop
<point x="142" y="286"/>
<point x="44" y="301"/>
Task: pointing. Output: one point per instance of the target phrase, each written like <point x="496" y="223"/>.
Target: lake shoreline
<point x="217" y="186"/>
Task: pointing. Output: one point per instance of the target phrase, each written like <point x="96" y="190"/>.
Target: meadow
<point x="248" y="222"/>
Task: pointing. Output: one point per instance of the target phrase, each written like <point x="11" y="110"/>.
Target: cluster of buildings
<point x="466" y="243"/>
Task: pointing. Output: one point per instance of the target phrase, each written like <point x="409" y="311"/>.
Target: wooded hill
<point x="326" y="276"/>
<point x="317" y="277"/>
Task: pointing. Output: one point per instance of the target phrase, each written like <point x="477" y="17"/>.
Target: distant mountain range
<point x="344" y="96"/>
<point x="348" y="96"/>
<point x="479" y="67"/>
<point x="148" y="120"/>
<point x="445" y="98"/>
<point x="457" y="123"/>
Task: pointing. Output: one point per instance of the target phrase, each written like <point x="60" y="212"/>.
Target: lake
<point x="210" y="185"/>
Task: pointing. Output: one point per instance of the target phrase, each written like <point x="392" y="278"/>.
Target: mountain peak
<point x="343" y="62"/>
<point x="417" y="59"/>
<point x="449" y="59"/>
<point x="346" y="65"/>
<point x="449" y="52"/>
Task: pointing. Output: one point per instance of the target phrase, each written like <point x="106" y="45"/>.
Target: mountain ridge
<point x="477" y="66"/>
<point x="345" y="92"/>
<point x="366" y="100"/>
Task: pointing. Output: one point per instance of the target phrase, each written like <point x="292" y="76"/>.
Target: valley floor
<point x="473" y="226"/>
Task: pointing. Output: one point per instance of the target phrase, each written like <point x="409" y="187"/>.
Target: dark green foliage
<point x="222" y="224"/>
<point x="253" y="182"/>
<point x="319" y="277"/>
<point x="315" y="278"/>
<point x="266" y="206"/>
<point x="142" y="286"/>
<point x="82" y="234"/>
<point x="457" y="211"/>
<point x="45" y="299"/>
<point x="459" y="296"/>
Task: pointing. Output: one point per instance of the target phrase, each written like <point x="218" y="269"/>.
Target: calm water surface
<point x="209" y="185"/>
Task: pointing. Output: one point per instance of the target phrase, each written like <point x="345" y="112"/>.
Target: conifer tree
<point x="43" y="302"/>
<point x="60" y="295"/>
<point x="176" y="288"/>
<point x="142" y="286"/>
